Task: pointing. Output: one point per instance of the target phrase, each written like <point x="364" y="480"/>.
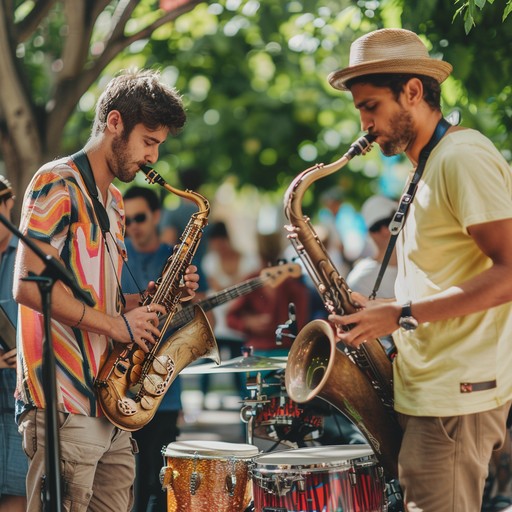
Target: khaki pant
<point x="97" y="464"/>
<point x="443" y="462"/>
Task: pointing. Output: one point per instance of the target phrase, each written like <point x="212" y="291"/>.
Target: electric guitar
<point x="270" y="276"/>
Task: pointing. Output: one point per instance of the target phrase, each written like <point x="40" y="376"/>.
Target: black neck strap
<point x="83" y="165"/>
<point x="398" y="220"/>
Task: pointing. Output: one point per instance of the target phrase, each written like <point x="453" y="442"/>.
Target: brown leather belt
<point x="469" y="387"/>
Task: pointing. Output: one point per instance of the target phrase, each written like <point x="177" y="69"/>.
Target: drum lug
<point x="231" y="484"/>
<point x="283" y="486"/>
<point x="195" y="482"/>
<point x="353" y="477"/>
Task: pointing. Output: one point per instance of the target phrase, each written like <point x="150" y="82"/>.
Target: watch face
<point x="408" y="323"/>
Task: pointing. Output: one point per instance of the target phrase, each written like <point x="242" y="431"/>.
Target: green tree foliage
<point x="253" y="75"/>
<point x="469" y="11"/>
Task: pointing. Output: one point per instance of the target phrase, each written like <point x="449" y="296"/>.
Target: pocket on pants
<point x="449" y="427"/>
<point x="28" y="433"/>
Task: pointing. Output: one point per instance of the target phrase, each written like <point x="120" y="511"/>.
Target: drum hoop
<point x="345" y="464"/>
<point x="202" y="456"/>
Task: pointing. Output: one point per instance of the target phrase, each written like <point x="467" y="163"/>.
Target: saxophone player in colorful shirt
<point x="134" y="116"/>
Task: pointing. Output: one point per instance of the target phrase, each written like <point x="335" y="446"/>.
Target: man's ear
<point x="115" y="122"/>
<point x="413" y="91"/>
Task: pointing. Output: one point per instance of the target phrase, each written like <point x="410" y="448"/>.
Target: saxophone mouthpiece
<point x="361" y="146"/>
<point x="152" y="176"/>
<point x="145" y="169"/>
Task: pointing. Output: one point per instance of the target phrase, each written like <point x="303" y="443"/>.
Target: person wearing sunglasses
<point x="82" y="225"/>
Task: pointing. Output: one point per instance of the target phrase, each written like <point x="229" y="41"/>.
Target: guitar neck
<point x="238" y="290"/>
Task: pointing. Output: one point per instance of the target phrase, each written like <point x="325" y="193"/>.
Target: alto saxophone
<point x="131" y="384"/>
<point x="358" y="382"/>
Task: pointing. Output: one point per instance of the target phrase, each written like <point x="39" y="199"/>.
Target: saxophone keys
<point x="154" y="385"/>
<point x="138" y="357"/>
<point x="135" y="374"/>
<point x="121" y="368"/>
<point x="162" y="364"/>
<point x="127" y="406"/>
<point x="147" y="402"/>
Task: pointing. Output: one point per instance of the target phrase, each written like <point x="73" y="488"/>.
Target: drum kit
<point x="201" y="476"/>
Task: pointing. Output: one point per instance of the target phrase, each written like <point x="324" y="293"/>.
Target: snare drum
<point x="318" y="479"/>
<point x="207" y="475"/>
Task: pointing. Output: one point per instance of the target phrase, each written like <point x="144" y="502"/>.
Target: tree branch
<point x="26" y="27"/>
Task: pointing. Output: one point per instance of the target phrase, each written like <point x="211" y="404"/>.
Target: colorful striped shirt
<point x="57" y="210"/>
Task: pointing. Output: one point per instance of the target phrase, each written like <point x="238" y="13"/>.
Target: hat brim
<point x="438" y="69"/>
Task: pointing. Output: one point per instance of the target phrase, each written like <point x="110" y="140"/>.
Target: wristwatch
<point x="406" y="321"/>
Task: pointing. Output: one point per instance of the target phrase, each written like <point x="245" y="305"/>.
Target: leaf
<point x="469" y="22"/>
<point x="508" y="10"/>
<point x="480" y="3"/>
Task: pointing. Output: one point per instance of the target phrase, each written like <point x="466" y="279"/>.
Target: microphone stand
<point x="51" y="492"/>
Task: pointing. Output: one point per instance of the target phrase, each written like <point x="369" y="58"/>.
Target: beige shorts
<point x="97" y="463"/>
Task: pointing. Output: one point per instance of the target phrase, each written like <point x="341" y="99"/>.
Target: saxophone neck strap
<point x="83" y="165"/>
<point x="398" y="220"/>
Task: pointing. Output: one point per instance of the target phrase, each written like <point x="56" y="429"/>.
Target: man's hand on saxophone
<point x="374" y="319"/>
<point x="139" y="324"/>
<point x="191" y="281"/>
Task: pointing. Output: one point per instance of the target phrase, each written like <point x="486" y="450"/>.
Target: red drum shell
<point x="319" y="479"/>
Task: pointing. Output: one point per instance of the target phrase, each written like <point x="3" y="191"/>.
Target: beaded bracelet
<point x="128" y="327"/>
<point x="82" y="317"/>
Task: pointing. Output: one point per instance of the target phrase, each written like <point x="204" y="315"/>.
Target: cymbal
<point x="238" y="364"/>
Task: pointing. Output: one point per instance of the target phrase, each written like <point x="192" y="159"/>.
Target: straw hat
<point x="389" y="50"/>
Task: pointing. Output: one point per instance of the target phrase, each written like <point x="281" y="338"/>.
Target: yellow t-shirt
<point x="466" y="182"/>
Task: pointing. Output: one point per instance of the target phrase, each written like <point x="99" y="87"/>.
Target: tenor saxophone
<point x="358" y="382"/>
<point x="131" y="384"/>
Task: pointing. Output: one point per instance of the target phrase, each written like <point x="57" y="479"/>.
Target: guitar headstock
<point x="274" y="276"/>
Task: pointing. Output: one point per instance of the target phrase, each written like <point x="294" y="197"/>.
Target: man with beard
<point x="134" y="115"/>
<point x="452" y="317"/>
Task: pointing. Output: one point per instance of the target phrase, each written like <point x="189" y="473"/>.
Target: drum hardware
<point x="238" y="364"/>
<point x="195" y="478"/>
<point x="270" y="414"/>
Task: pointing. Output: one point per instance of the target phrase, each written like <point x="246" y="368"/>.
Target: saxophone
<point x="358" y="382"/>
<point x="131" y="384"/>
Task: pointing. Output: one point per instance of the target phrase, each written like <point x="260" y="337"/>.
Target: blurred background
<point x="253" y="75"/>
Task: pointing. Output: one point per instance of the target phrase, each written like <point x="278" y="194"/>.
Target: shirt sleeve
<point x="478" y="184"/>
<point x="47" y="210"/>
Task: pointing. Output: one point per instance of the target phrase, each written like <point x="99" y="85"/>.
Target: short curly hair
<point x="140" y="97"/>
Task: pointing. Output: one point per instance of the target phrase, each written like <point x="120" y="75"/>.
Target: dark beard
<point x="119" y="164"/>
<point x="403" y="133"/>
